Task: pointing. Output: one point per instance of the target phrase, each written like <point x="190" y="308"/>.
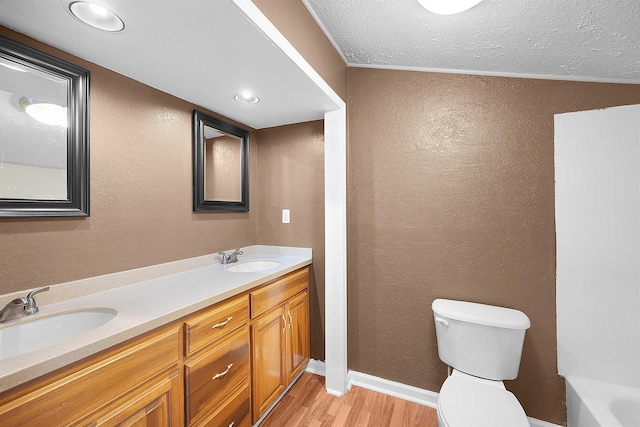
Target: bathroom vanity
<point x="221" y="365"/>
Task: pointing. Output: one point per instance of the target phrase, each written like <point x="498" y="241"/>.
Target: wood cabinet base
<point x="279" y="338"/>
<point x="89" y="394"/>
<point x="205" y="369"/>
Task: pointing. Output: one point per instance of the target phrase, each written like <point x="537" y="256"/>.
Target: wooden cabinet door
<point x="298" y="353"/>
<point x="156" y="405"/>
<point x="97" y="387"/>
<point x="268" y="341"/>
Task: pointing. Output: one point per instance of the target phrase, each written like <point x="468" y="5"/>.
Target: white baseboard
<point x="317" y="367"/>
<point x="392" y="388"/>
<point x="539" y="423"/>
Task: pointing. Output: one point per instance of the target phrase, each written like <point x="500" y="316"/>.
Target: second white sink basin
<point x="30" y="335"/>
<point x="252" y="266"/>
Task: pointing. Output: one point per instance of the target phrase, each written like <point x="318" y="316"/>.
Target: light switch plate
<point x="286" y="216"/>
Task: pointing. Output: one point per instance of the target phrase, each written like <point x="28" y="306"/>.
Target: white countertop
<point x="142" y="305"/>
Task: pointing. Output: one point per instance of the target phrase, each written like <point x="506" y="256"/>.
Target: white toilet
<point x="483" y="345"/>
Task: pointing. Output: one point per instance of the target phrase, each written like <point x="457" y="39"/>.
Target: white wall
<point x="32" y="182"/>
<point x="597" y="156"/>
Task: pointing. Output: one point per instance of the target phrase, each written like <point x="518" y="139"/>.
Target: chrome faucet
<point x="228" y="259"/>
<point x="20" y="307"/>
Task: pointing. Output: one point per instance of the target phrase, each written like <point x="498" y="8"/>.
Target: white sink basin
<point x="30" y="335"/>
<point x="252" y="266"/>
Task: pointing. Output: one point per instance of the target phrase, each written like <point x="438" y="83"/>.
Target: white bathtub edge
<point x="589" y="402"/>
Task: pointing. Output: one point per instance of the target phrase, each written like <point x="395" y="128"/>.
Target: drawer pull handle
<point x="290" y="319"/>
<point x="284" y="321"/>
<point x="221" y="324"/>
<point x="223" y="373"/>
<point x="232" y="423"/>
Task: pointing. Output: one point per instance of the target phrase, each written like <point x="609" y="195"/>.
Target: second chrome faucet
<point x="232" y="257"/>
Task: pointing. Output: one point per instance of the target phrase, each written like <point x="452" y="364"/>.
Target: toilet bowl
<point x="468" y="401"/>
<point x="483" y="345"/>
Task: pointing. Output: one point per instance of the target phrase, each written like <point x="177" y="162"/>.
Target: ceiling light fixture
<point x="50" y="114"/>
<point x="246" y="98"/>
<point x="12" y="66"/>
<point x="97" y="16"/>
<point x="448" y="7"/>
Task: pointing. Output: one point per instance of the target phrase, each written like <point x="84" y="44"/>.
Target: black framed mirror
<point x="44" y="134"/>
<point x="220" y="165"/>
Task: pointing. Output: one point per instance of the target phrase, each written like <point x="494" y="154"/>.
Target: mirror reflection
<point x="33" y="133"/>
<point x="220" y="165"/>
<point x="44" y="136"/>
<point x="223" y="166"/>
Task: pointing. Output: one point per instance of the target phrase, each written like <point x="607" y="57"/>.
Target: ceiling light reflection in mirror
<point x="33" y="143"/>
<point x="44" y="112"/>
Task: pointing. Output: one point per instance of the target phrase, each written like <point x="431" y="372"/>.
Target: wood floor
<point x="308" y="404"/>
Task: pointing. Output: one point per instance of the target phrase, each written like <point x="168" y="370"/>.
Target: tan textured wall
<point x="451" y="195"/>
<point x="293" y="20"/>
<point x="291" y="176"/>
<point x="304" y="143"/>
<point x="141" y="193"/>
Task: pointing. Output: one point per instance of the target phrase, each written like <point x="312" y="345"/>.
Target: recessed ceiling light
<point x="448" y="7"/>
<point x="246" y="98"/>
<point x="49" y="114"/>
<point x="97" y="16"/>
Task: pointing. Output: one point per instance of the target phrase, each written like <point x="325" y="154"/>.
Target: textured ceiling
<point x="593" y="40"/>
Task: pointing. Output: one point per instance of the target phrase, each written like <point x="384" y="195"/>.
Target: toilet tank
<point x="478" y="339"/>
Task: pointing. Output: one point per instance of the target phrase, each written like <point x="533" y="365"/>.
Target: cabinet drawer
<point x="210" y="376"/>
<point x="83" y="392"/>
<point x="278" y="291"/>
<point x="235" y="411"/>
<point x="215" y="323"/>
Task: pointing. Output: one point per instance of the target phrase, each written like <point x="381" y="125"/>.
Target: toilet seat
<point x="466" y="401"/>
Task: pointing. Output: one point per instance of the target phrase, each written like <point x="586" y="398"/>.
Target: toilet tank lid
<point x="481" y="314"/>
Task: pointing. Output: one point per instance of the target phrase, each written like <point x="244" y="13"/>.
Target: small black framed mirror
<point x="44" y="134"/>
<point x="220" y="165"/>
